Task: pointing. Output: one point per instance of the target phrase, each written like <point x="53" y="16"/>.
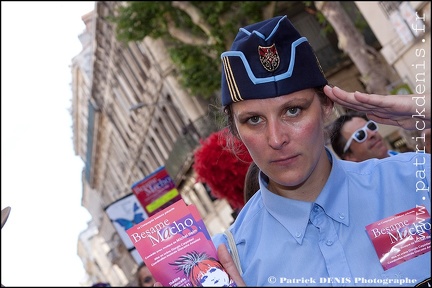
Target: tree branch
<point x="197" y="18"/>
<point x="183" y="35"/>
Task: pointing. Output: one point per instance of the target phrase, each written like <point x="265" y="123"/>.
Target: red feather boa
<point x="221" y="169"/>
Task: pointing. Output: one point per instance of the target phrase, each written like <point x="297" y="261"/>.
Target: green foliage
<point x="357" y="18"/>
<point x="199" y="73"/>
<point x="139" y="19"/>
<point x="322" y="20"/>
<point x="199" y="67"/>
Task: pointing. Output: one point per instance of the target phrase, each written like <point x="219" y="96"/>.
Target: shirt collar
<point x="333" y="199"/>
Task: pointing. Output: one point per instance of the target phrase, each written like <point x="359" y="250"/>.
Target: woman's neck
<point x="310" y="189"/>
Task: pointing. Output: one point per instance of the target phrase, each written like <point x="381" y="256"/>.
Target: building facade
<point x="130" y="117"/>
<point x="403" y="30"/>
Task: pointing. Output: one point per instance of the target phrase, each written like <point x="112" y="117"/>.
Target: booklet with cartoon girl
<point x="177" y="248"/>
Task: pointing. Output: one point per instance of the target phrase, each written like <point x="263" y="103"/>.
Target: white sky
<point x="40" y="173"/>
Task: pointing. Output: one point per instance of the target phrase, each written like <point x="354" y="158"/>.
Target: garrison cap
<point x="269" y="59"/>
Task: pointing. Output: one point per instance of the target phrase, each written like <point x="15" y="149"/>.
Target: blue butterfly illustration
<point x="126" y="223"/>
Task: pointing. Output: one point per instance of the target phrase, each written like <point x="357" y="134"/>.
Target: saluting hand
<point x="411" y="112"/>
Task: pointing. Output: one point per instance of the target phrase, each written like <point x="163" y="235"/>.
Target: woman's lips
<point x="285" y="161"/>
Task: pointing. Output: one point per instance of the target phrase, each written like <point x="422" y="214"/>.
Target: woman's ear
<point x="328" y="108"/>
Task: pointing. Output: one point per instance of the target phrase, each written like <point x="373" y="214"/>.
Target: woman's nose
<point x="277" y="135"/>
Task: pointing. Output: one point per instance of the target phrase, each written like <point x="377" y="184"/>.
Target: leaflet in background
<point x="401" y="237"/>
<point x="125" y="213"/>
<point x="177" y="248"/>
<point x="156" y="191"/>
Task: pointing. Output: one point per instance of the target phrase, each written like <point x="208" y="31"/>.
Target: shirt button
<point x="329" y="242"/>
<point x="341" y="216"/>
<point x="298" y="234"/>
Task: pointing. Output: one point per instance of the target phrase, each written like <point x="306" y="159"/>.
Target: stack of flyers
<point x="177" y="248"/>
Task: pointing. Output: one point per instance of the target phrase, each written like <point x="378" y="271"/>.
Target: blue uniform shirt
<point x="279" y="244"/>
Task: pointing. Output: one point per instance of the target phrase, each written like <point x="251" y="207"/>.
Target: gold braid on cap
<point x="232" y="85"/>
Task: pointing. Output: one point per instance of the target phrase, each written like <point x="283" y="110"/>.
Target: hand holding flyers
<point x="176" y="246"/>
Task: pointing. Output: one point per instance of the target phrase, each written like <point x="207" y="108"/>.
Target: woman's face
<point x="284" y="135"/>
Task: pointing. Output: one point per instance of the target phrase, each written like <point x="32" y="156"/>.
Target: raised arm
<point x="411" y="112"/>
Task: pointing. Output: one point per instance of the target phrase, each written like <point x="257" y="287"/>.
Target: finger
<point x="342" y="94"/>
<point x="344" y="98"/>
<point x="385" y="121"/>
<point x="157" y="284"/>
<point x="328" y="90"/>
<point x="362" y="101"/>
<point x="385" y="104"/>
<point x="227" y="262"/>
<point x="372" y="100"/>
<point x="403" y="122"/>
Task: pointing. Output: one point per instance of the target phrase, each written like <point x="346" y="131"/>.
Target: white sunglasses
<point x="360" y="135"/>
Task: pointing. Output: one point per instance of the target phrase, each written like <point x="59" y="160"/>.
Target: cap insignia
<point x="269" y="57"/>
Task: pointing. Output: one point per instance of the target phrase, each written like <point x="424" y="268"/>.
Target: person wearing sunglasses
<point x="145" y="278"/>
<point x="356" y="138"/>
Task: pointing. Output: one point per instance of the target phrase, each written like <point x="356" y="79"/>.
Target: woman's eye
<point x="254" y="120"/>
<point x="293" y="111"/>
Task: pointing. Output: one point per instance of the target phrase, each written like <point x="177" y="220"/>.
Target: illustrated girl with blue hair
<point x="203" y="270"/>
